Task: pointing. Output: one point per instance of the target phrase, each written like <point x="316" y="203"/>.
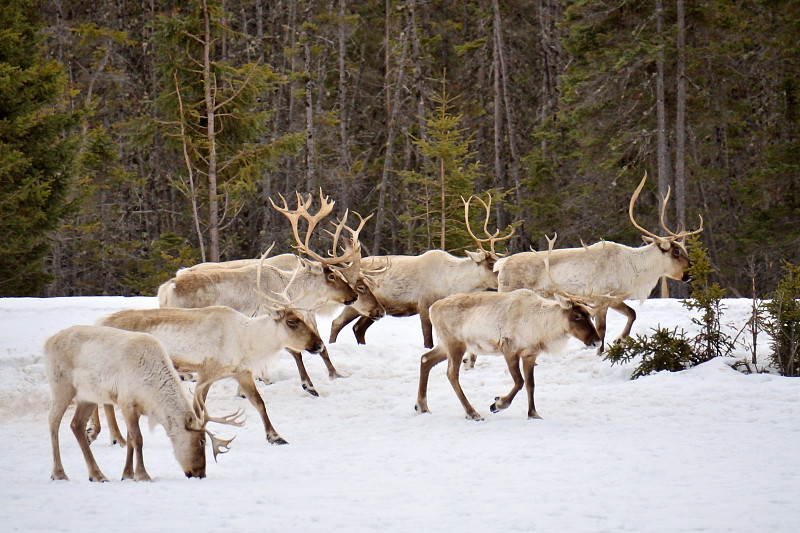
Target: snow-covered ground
<point x="708" y="449"/>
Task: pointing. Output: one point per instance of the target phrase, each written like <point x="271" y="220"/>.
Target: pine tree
<point x="436" y="213"/>
<point x="37" y="151"/>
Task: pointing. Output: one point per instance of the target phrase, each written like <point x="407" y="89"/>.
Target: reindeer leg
<point x="131" y="415"/>
<point x="94" y="427"/>
<point x="600" y="326"/>
<point x="427" y="327"/>
<point x="426" y="363"/>
<point x="305" y="380"/>
<point x="626" y="310"/>
<point x="347" y="315"/>
<point x="332" y="373"/>
<point x="113" y="428"/>
<point x="360" y="329"/>
<point x="454" y="354"/>
<point x="78" y="425"/>
<point x="512" y="360"/>
<point x="61" y="400"/>
<point x="469" y="361"/>
<point x="248" y="387"/>
<point x="528" y="362"/>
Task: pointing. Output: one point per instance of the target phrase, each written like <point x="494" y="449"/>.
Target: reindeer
<point x="348" y="264"/>
<point x="218" y="342"/>
<point x="314" y="285"/>
<point x="96" y="364"/>
<point x="518" y="325"/>
<point x="606" y="268"/>
<point x="409" y="285"/>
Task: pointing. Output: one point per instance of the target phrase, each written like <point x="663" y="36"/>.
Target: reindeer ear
<point x="191" y="421"/>
<point x="476" y="256"/>
<point x="664" y="244"/>
<point x="563" y="301"/>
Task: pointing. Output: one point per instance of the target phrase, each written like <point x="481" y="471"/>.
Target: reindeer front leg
<point x="427" y="327"/>
<point x="500" y="403"/>
<point x="528" y="362"/>
<point x="455" y="351"/>
<point x="426" y="363"/>
<point x="305" y="379"/>
<point x="248" y="387"/>
<point x="134" y="445"/>
<point x="78" y="425"/>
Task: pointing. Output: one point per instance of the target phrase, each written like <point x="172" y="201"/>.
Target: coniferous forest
<point x="140" y="136"/>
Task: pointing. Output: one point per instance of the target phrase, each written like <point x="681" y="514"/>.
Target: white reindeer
<point x="218" y="342"/>
<point x="101" y="365"/>
<point x="518" y="325"/>
<point x="409" y="285"/>
<point x="604" y="268"/>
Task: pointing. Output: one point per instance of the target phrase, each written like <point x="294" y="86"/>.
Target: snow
<point x="707" y="449"/>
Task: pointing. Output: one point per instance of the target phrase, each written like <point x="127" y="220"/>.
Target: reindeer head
<point x="341" y="271"/>
<point x="579" y="316"/>
<point x="676" y="258"/>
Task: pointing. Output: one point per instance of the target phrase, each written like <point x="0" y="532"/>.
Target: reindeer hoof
<point x="277" y="440"/>
<point x="493" y="408"/>
<point x="311" y="390"/>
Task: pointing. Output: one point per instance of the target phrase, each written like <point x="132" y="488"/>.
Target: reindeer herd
<point x="233" y="319"/>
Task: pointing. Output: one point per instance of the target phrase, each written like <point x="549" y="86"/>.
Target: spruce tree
<point x="37" y="151"/>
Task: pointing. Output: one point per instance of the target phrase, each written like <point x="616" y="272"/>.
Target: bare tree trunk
<point x="310" y="148"/>
<point x="344" y="153"/>
<point x="680" y="120"/>
<point x="663" y="181"/>
<point x="208" y="93"/>
<point x="499" y="174"/>
<point x="389" y="155"/>
<point x="512" y="142"/>
<point x="663" y="172"/>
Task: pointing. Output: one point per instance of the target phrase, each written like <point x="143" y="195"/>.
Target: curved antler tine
<point x="664" y="212"/>
<point x="218" y="444"/>
<point x="685" y="234"/>
<point x="234" y="419"/>
<point x="633" y="201"/>
<point x="466" y="221"/>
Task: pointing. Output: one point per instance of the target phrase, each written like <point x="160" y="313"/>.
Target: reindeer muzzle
<point x="317" y="347"/>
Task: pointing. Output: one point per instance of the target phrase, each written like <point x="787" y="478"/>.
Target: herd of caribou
<point x="232" y="319"/>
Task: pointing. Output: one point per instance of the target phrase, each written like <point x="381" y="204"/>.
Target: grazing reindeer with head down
<point x="96" y="364"/>
<point x="518" y="325"/>
<point x="218" y="342"/>
<point x="409" y="285"/>
<point x="605" y="267"/>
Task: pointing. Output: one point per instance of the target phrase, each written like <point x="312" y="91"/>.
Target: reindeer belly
<point x="483" y="346"/>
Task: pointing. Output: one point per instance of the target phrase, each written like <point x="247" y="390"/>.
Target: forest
<point x="139" y="136"/>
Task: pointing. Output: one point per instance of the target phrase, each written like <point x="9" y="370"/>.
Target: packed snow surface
<point x="707" y="449"/>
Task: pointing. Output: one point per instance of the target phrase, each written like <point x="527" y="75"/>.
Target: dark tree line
<point x="169" y="125"/>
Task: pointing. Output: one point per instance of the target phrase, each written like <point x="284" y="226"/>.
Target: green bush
<point x="663" y="350"/>
<point x="783" y="322"/>
<point x="706" y="297"/>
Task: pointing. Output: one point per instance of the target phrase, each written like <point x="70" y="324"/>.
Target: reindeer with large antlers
<point x="97" y="364"/>
<point x="409" y="285"/>
<point x="604" y="268"/>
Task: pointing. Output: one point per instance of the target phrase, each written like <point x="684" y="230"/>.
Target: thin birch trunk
<point x="208" y="93"/>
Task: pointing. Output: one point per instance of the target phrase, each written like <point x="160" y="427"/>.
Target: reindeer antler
<point x="352" y="248"/>
<point x="326" y="207"/>
<point x="492" y="238"/>
<point x="675" y="236"/>
<point x="217" y="444"/>
<point x="285" y="301"/>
